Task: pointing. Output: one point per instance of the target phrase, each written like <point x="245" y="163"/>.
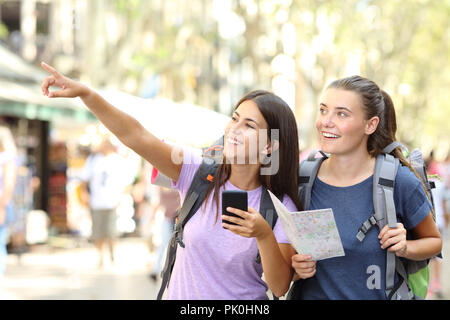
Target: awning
<point x="181" y="123"/>
<point x="26" y="100"/>
<point x="20" y="93"/>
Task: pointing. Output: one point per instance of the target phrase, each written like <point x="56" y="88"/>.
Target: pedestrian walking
<point x="104" y="181"/>
<point x="8" y="174"/>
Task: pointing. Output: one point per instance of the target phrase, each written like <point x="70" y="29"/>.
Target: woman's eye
<point x="248" y="125"/>
<point x="233" y="118"/>
<point x="342" y="114"/>
<point x="322" y="111"/>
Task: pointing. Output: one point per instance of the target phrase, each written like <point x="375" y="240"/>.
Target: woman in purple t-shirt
<point x="218" y="261"/>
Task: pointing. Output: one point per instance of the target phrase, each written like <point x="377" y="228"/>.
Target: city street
<point x="68" y="270"/>
<point x="48" y="273"/>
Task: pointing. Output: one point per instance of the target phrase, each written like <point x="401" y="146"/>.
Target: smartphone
<point x="234" y="199"/>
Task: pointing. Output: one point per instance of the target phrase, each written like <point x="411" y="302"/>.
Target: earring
<point x="266" y="159"/>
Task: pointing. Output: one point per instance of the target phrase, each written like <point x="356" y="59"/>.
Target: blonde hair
<point x="7" y="141"/>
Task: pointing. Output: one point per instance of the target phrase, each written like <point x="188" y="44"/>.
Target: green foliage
<point x="130" y="8"/>
<point x="399" y="44"/>
<point x="3" y="31"/>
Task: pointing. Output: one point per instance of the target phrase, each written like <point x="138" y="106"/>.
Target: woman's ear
<point x="372" y="125"/>
<point x="271" y="146"/>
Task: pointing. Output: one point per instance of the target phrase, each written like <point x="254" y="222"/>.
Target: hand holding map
<point x="311" y="232"/>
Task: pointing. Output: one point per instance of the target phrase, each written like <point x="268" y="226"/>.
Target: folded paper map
<point x="312" y="232"/>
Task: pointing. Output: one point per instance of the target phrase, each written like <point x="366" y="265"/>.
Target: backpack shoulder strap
<point x="386" y="168"/>
<point x="390" y="147"/>
<point x="196" y="193"/>
<point x="307" y="173"/>
<point x="194" y="198"/>
<point x="267" y="210"/>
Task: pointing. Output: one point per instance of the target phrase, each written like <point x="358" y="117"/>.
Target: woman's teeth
<point x="329" y="135"/>
<point x="233" y="141"/>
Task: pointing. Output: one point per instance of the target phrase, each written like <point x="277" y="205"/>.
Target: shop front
<point x="43" y="161"/>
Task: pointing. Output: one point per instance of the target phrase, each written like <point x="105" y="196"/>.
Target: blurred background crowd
<point x="189" y="61"/>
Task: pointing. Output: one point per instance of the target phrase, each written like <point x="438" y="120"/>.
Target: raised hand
<point x="68" y="87"/>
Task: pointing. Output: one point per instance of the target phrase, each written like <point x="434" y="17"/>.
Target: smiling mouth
<point x="234" y="141"/>
<point x="329" y="135"/>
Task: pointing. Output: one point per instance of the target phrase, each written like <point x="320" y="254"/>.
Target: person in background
<point x="435" y="172"/>
<point x="104" y="182"/>
<point x="8" y="174"/>
<point x="446" y="179"/>
<point x="432" y="165"/>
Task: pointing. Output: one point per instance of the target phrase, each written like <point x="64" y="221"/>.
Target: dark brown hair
<point x="278" y="115"/>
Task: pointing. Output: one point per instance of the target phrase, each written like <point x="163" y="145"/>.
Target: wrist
<point x="265" y="235"/>
<point x="85" y="91"/>
<point x="412" y="251"/>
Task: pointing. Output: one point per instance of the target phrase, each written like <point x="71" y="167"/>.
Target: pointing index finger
<point x="49" y="69"/>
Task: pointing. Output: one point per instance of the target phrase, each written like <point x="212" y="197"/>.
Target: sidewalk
<point x="49" y="273"/>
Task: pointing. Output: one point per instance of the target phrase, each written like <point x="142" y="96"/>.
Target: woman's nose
<point x="327" y="120"/>
<point x="236" y="127"/>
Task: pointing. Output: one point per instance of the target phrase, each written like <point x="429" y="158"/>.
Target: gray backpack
<point x="413" y="275"/>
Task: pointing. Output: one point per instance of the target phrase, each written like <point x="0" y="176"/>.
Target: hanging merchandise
<point x="57" y="202"/>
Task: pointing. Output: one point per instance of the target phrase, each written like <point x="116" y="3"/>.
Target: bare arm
<point x="428" y="241"/>
<point x="126" y="128"/>
<point x="275" y="257"/>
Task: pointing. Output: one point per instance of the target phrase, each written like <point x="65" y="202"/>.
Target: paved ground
<point x="48" y="273"/>
<point x="70" y="271"/>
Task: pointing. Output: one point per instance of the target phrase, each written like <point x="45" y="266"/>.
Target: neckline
<point x="233" y="187"/>
<point x="358" y="184"/>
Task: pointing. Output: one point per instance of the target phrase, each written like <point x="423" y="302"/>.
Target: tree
<point x="403" y="46"/>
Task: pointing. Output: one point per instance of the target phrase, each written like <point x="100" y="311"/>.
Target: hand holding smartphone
<point x="237" y="199"/>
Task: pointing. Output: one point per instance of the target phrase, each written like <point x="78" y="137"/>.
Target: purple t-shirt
<point x="216" y="263"/>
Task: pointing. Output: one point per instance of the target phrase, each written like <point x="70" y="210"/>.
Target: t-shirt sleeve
<point x="280" y="235"/>
<point x="412" y="203"/>
<point x="86" y="172"/>
<point x="191" y="162"/>
<point x="6" y="156"/>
